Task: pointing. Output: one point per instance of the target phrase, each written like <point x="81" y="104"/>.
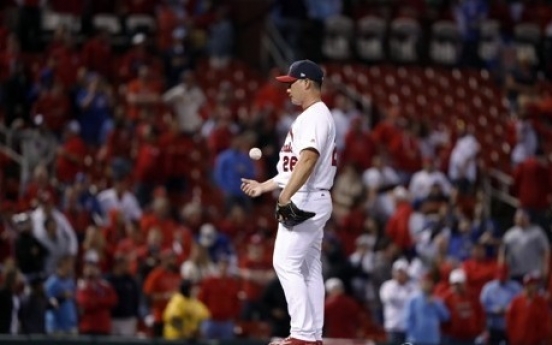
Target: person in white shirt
<point x="52" y="229"/>
<point x="394" y="295"/>
<point x="463" y="160"/>
<point x="186" y="99"/>
<point x="423" y="180"/>
<point x="380" y="179"/>
<point x="120" y="198"/>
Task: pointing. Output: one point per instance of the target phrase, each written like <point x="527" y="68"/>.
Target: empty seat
<point x="51" y="21"/>
<point x="370" y="39"/>
<point x="337" y="38"/>
<point x="489" y="43"/>
<point x="527" y="38"/>
<point x="445" y="43"/>
<point x="140" y="22"/>
<point x="108" y="22"/>
<point x="404" y="37"/>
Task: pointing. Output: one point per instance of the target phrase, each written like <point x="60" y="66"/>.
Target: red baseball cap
<point x="303" y="69"/>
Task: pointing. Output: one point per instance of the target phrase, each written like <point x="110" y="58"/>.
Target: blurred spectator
<point x="348" y="190"/>
<point x="525" y="248"/>
<point x="223" y="304"/>
<point x="399" y="225"/>
<point x="143" y="93"/>
<point x="146" y="171"/>
<point x="274" y="303"/>
<point x="462" y="168"/>
<point x="495" y="299"/>
<point x="29" y="23"/>
<point x="360" y="148"/>
<point x="94" y="102"/>
<point x="198" y="266"/>
<point x="39" y="184"/>
<point x="159" y="218"/>
<point x="341" y="113"/>
<point x="95" y="249"/>
<point x="32" y="312"/>
<point x="218" y="245"/>
<point x="520" y="79"/>
<point x="343" y="316"/>
<point x="424" y="315"/>
<point x="466" y="314"/>
<point x="10" y="303"/>
<point x="405" y="152"/>
<point x="469" y="15"/>
<point x="379" y="180"/>
<point x="124" y="314"/>
<point x="160" y="285"/>
<point x="52" y="229"/>
<point x="135" y="63"/>
<point x="53" y="104"/>
<point x="38" y="144"/>
<point x="255" y="272"/>
<point x="528" y="317"/>
<point x="231" y="166"/>
<point x="179" y="57"/>
<point x="96" y="52"/>
<point x="95" y="298"/>
<point x="424" y="180"/>
<point x="61" y="287"/>
<point x="479" y="269"/>
<point x="120" y="198"/>
<point x="78" y="216"/>
<point x="185" y="313"/>
<point x="533" y="186"/>
<point x="186" y="99"/>
<point x="29" y="252"/>
<point x="221" y="38"/>
<point x="526" y="137"/>
<point x="362" y="260"/>
<point x="71" y="155"/>
<point x="394" y="295"/>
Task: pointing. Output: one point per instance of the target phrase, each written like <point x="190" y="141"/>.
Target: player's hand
<point x="251" y="187"/>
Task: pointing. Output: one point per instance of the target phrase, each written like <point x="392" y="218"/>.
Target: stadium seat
<point x="527" y="39"/>
<point x="370" y="37"/>
<point x="337" y="38"/>
<point x="108" y="22"/>
<point x="404" y="37"/>
<point x="139" y="22"/>
<point x="445" y="43"/>
<point x="489" y="44"/>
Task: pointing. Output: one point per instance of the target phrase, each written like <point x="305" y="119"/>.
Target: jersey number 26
<point x="290" y="161"/>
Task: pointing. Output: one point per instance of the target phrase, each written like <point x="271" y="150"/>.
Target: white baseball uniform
<point x="297" y="251"/>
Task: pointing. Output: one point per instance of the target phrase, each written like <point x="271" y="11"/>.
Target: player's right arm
<point x="254" y="188"/>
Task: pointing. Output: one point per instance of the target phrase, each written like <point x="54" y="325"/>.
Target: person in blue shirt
<point x="495" y="299"/>
<point x="231" y="165"/>
<point x="424" y="315"/>
<point x="60" y="290"/>
<point x="94" y="103"/>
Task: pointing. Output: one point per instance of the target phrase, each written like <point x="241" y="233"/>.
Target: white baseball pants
<point x="298" y="265"/>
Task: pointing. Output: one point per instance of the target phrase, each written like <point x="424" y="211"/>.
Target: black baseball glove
<point x="289" y="215"/>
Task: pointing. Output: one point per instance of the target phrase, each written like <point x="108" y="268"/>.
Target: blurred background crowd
<point x="125" y="131"/>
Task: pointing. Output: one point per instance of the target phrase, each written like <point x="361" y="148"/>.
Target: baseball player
<point x="306" y="171"/>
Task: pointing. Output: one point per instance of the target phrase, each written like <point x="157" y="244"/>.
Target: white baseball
<point x="255" y="153"/>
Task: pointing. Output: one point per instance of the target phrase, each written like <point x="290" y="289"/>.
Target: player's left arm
<point x="301" y="173"/>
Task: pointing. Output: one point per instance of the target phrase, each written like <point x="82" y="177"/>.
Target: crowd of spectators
<point x="131" y="221"/>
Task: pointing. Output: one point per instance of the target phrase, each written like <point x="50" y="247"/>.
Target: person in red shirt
<point x="528" y="318"/>
<point x="54" y="106"/>
<point x="404" y="149"/>
<point x="96" y="54"/>
<point x="159" y="287"/>
<point x="479" y="269"/>
<point x="533" y="186"/>
<point x="360" y="147"/>
<point x="159" y="218"/>
<point x="146" y="167"/>
<point x="255" y="271"/>
<point x="223" y="303"/>
<point x="142" y="93"/>
<point x="71" y="155"/>
<point x="343" y="317"/>
<point x="466" y="314"/>
<point x="95" y="298"/>
<point x="398" y="226"/>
